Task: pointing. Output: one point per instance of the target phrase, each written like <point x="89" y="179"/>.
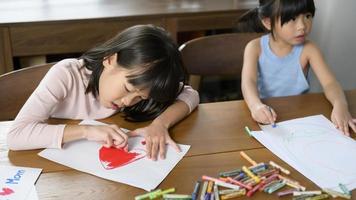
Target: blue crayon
<point x="196" y="190"/>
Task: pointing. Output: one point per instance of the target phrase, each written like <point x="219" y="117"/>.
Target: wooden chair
<point x="216" y="55"/>
<point x="17" y="86"/>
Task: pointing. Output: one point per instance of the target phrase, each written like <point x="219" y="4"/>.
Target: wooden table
<point x="214" y="130"/>
<point x="37" y="27"/>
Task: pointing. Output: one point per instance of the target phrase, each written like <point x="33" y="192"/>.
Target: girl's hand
<point x="109" y="135"/>
<point x="156" y="136"/>
<point x="342" y="119"/>
<point x="263" y="114"/>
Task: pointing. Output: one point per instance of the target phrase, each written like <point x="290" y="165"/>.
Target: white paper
<point x="17" y="183"/>
<point x="83" y="155"/>
<point x="314" y="147"/>
<point x="33" y="194"/>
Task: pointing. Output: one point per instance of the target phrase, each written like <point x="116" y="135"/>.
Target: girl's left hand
<point x="342" y="119"/>
<point x="156" y="136"/>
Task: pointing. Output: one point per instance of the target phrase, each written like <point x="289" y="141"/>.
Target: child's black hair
<point x="273" y="9"/>
<point x="160" y="68"/>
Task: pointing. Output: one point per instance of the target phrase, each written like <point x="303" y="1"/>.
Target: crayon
<point x="196" y="190"/>
<point x="216" y="192"/>
<point x="250" y="174"/>
<point x="161" y="193"/>
<point x="298" y="193"/>
<point x="203" y="190"/>
<point x="248" y="158"/>
<point x="234" y="194"/>
<point x="337" y="194"/>
<point x="176" y="197"/>
<point x="275" y="187"/>
<point x="285" y="192"/>
<point x="248" y="131"/>
<point x="239" y="183"/>
<point x="275" y="165"/>
<point x="147" y="195"/>
<point x="318" y="197"/>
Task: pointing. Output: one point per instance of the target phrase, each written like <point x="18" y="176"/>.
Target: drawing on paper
<point x="112" y="158"/>
<point x="307" y="140"/>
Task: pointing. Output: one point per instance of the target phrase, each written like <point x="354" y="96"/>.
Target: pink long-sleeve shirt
<point x="61" y="94"/>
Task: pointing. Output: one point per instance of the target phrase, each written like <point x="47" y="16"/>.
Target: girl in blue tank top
<point x="277" y="63"/>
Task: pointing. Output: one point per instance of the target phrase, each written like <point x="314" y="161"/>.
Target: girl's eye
<point x="308" y="16"/>
<point x="127" y="90"/>
<point x="293" y="19"/>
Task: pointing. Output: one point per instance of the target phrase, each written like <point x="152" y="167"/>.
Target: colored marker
<point x="196" y="190"/>
<point x="248" y="131"/>
<point x="248" y="158"/>
<point x="275" y="165"/>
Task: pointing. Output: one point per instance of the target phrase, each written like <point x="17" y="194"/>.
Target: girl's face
<point x="115" y="91"/>
<point x="295" y="31"/>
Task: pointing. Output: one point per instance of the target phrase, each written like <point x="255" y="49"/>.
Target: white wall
<point x="334" y="30"/>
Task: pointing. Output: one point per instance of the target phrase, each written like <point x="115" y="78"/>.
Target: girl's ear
<point x="110" y="61"/>
<point x="266" y="23"/>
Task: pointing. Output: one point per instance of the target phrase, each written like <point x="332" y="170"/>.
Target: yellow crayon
<point x="250" y="174"/>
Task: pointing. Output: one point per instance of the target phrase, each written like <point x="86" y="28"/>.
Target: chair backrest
<point x="17" y="86"/>
<point x="215" y="55"/>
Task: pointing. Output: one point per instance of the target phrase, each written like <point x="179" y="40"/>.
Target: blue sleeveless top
<point x="280" y="76"/>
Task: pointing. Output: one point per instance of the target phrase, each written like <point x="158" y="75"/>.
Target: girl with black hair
<point x="139" y="72"/>
<point x="277" y="63"/>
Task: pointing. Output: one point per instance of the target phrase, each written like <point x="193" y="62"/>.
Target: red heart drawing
<point x="6" y="191"/>
<point x="111" y="158"/>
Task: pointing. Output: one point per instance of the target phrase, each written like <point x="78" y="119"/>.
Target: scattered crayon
<point x="275" y="165"/>
<point x="248" y="158"/>
<point x="196" y="190"/>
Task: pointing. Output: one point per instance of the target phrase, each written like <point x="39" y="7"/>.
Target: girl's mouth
<point x="114" y="106"/>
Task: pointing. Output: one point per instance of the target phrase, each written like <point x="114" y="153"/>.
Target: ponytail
<point x="250" y="22"/>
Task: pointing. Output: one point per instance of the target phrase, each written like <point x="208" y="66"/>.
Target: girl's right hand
<point x="108" y="135"/>
<point x="263" y="114"/>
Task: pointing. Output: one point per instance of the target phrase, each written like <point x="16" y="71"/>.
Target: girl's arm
<point x="30" y="129"/>
<point x="340" y="115"/>
<point x="156" y="134"/>
<point x="259" y="111"/>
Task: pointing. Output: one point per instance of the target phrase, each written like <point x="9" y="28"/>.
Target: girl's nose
<point x="129" y="100"/>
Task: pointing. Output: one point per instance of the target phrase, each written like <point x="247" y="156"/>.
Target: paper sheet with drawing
<point x="314" y="147"/>
<point x="133" y="169"/>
